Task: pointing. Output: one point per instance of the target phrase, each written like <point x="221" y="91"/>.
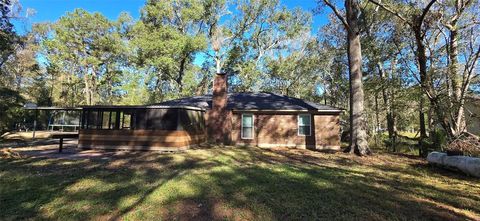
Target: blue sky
<point x="51" y="10"/>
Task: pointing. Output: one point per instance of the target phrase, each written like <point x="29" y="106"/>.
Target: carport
<point x="61" y="118"/>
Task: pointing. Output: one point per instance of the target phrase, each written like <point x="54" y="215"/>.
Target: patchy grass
<point x="235" y="184"/>
<point x="408" y="134"/>
<point x="406" y="143"/>
<point x="23" y="136"/>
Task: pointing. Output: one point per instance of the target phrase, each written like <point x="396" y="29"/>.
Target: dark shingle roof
<point x="252" y="101"/>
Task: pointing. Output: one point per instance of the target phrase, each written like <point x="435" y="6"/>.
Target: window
<point x="162" y="119"/>
<point x="106" y="119"/>
<point x="247" y="126"/>
<point x="304" y="125"/>
<point x="113" y="120"/>
<point x="93" y="120"/>
<point x="126" y="120"/>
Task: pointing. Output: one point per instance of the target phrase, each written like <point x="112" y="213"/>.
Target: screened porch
<point x="141" y="127"/>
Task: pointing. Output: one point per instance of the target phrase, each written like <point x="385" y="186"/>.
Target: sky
<point x="51" y="10"/>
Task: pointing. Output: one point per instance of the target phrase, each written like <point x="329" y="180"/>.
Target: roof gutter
<point x="144" y="107"/>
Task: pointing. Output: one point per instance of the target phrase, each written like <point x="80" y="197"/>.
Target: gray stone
<point x="468" y="165"/>
<point x="436" y="157"/>
<point x="455" y="162"/>
<point x="473" y="166"/>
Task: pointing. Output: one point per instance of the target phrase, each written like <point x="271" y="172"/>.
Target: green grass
<point x="411" y="135"/>
<point x="235" y="184"/>
<point x="406" y="143"/>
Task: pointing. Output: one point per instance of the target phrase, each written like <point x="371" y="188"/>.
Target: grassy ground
<point x="411" y="135"/>
<point x="406" y="143"/>
<point x="235" y="184"/>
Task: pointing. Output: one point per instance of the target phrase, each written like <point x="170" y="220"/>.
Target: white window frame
<point x="298" y="125"/>
<point x="253" y="127"/>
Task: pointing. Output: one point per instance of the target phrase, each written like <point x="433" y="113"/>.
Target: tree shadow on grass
<point x="218" y="184"/>
<point x="304" y="194"/>
<point x="83" y="189"/>
<point x="297" y="191"/>
<point x="410" y="178"/>
<point x="367" y="190"/>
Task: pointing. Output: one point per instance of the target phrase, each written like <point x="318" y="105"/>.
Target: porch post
<point x="34" y="124"/>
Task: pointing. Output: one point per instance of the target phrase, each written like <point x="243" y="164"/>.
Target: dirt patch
<point x="189" y="209"/>
<point x="340" y="158"/>
<point x="9" y="153"/>
<point x="23" y="135"/>
<point x="70" y="151"/>
<point x="222" y="211"/>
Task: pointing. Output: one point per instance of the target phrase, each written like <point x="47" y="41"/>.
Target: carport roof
<point x="52" y="108"/>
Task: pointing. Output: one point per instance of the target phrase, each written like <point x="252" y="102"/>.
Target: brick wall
<point x="273" y="130"/>
<point x="218" y="120"/>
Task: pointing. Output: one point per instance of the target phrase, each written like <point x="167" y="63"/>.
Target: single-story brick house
<point x="246" y="119"/>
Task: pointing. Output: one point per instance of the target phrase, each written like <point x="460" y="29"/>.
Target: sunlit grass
<point x="235" y="184"/>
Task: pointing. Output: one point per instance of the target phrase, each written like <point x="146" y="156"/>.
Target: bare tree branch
<point x="425" y="11"/>
<point x="400" y="16"/>
<point x="337" y="13"/>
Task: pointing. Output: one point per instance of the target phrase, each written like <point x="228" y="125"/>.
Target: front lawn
<point x="235" y="184"/>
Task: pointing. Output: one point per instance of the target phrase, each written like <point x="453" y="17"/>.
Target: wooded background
<point x="416" y="65"/>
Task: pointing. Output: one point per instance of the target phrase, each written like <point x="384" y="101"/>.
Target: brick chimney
<point x="219" y="122"/>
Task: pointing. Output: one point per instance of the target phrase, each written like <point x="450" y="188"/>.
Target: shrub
<point x="10" y="108"/>
<point x="438" y="139"/>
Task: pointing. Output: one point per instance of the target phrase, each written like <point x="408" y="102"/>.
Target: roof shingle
<point x="252" y="101"/>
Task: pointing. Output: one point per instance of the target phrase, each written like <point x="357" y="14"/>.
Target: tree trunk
<point x="51" y="91"/>
<point x="88" y="97"/>
<point x="325" y="97"/>
<point x="423" y="131"/>
<point x="431" y="122"/>
<point x="157" y="91"/>
<point x="377" y="120"/>
<point x="458" y="122"/>
<point x="392" y="127"/>
<point x="218" y="63"/>
<point x="427" y="88"/>
<point x="389" y="107"/>
<point x="181" y="73"/>
<point x="424" y="79"/>
<point x="358" y="135"/>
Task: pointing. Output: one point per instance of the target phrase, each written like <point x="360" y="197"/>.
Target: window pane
<point x="126" y="120"/>
<point x="247" y="132"/>
<point x="92" y="119"/>
<point x="106" y="116"/>
<point x="304" y="130"/>
<point x="84" y="118"/>
<point x="304" y="120"/>
<point x="301" y="130"/>
<point x="133" y="118"/>
<point x="162" y="119"/>
<point x="113" y="119"/>
<point x="247" y="121"/>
